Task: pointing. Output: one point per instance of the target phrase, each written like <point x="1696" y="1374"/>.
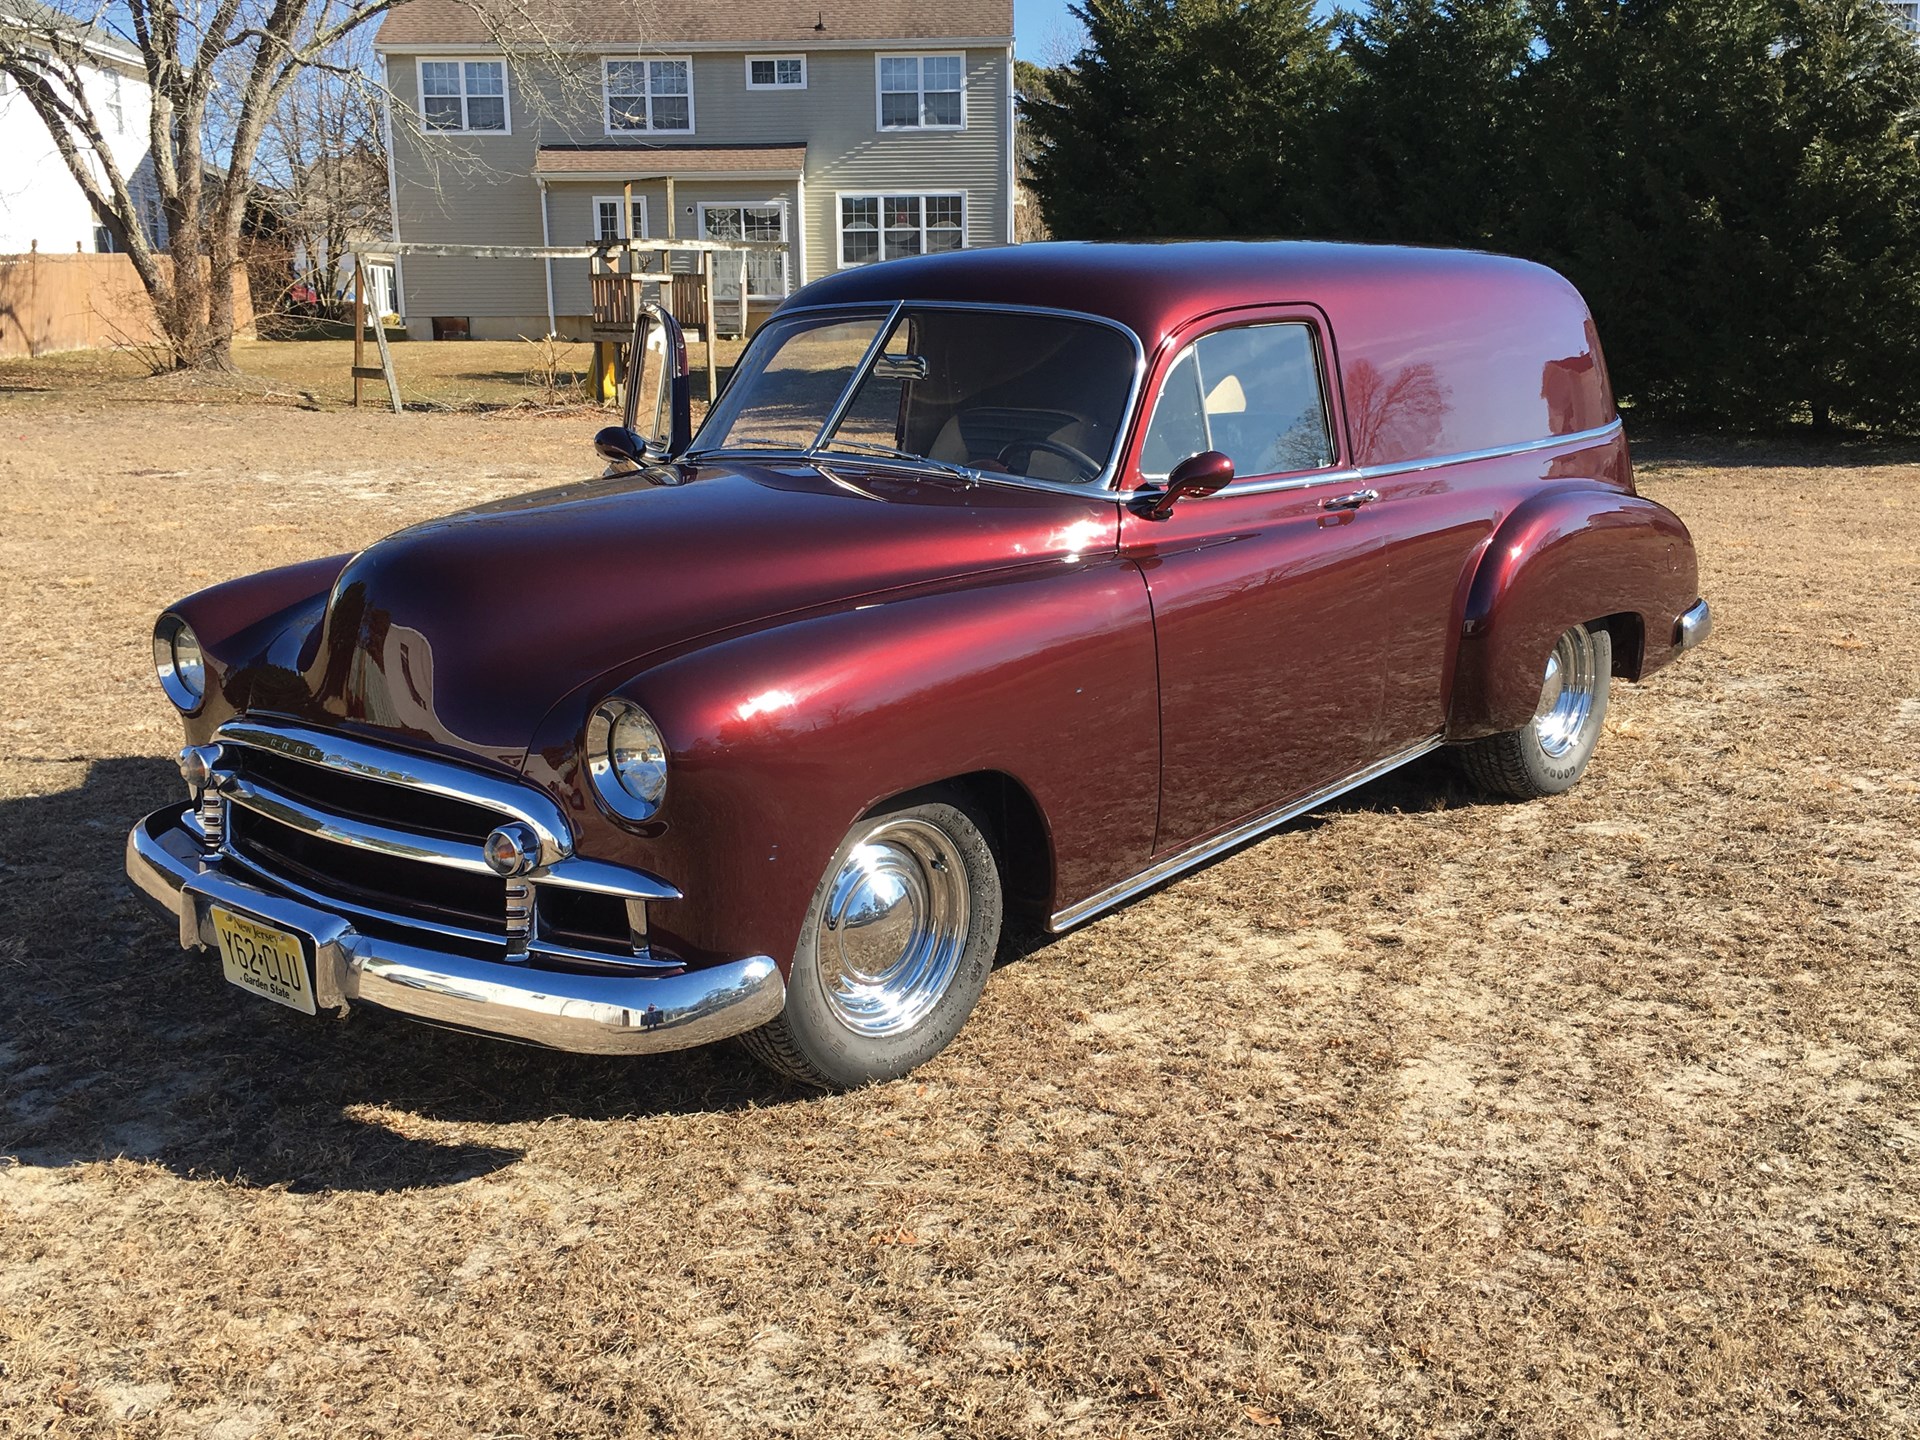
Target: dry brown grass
<point x="451" y="375"/>
<point x="1425" y="1117"/>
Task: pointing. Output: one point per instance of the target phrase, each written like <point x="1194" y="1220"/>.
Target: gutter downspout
<point x="393" y="189"/>
<point x="798" y="241"/>
<point x="1013" y="149"/>
<point x="553" y="326"/>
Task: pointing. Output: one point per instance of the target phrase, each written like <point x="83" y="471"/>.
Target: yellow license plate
<point x="265" y="959"/>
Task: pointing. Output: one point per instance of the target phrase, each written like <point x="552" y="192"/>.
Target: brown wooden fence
<point x="81" y="302"/>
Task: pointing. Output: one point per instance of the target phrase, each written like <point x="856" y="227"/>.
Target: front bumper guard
<point x="1693" y="627"/>
<point x="588" y="1014"/>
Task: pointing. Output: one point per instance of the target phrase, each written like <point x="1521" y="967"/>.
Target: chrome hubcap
<point x="1566" y="696"/>
<point x="893" y="928"/>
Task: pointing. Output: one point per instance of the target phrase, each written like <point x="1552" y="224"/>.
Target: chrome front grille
<point x="386" y="883"/>
<point x="396" y="839"/>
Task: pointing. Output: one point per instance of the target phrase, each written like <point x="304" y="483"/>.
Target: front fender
<point x="251" y="626"/>
<point x="1564" y="557"/>
<point x="782" y="736"/>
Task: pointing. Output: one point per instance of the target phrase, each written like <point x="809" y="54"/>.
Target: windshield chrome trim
<point x="1103" y="485"/>
<point x="845" y="402"/>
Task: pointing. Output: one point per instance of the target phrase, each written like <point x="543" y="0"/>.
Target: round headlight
<point x="627" y="759"/>
<point x="179" y="663"/>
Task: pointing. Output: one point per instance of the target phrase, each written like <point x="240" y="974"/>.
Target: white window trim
<point x="840" y="261"/>
<point x="606" y="95"/>
<point x="879" y="119"/>
<point x="640" y="203"/>
<point x="765" y="203"/>
<point x="420" y="92"/>
<point x="776" y="85"/>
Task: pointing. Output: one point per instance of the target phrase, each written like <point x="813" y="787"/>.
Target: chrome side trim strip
<point x="1202" y="851"/>
<point x="416" y="772"/>
<point x="1356" y="474"/>
<point x="1578" y="438"/>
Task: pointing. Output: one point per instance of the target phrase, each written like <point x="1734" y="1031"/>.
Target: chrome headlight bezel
<point x="180" y="663"/>
<point x="626" y="758"/>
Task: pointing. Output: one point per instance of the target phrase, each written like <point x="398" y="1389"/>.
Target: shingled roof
<point x="658" y="23"/>
<point x="564" y="160"/>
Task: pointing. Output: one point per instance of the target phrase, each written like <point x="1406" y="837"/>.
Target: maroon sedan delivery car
<point x="997" y="583"/>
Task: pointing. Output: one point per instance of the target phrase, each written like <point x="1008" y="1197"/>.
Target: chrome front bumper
<point x="590" y="1014"/>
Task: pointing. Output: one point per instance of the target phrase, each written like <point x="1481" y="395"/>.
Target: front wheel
<point x="1550" y="752"/>
<point x="894" y="953"/>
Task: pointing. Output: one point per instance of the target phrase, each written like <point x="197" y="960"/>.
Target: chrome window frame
<point x="1316" y="340"/>
<point x="1101" y="485"/>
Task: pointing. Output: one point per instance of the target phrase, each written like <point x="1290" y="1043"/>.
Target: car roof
<point x="1154" y="287"/>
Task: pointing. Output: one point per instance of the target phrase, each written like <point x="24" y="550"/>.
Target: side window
<point x="1253" y="392"/>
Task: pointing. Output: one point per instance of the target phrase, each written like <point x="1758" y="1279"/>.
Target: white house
<point x="41" y="205"/>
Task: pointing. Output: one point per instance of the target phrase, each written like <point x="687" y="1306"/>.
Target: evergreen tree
<point x="1186" y="117"/>
<point x="1733" y="184"/>
<point x="1426" y="141"/>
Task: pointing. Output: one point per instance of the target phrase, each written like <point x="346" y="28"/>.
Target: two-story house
<point x="41" y="205"/>
<point x="849" y="134"/>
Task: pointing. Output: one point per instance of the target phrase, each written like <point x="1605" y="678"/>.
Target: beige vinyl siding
<point x="848" y="152"/>
<point x="479" y="189"/>
<point x="467" y="189"/>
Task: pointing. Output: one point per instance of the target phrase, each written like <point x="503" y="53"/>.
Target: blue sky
<point x="1043" y="31"/>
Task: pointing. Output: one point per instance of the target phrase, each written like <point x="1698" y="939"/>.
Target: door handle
<point x="1352" y="501"/>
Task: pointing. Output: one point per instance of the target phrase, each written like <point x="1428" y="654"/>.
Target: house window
<point x="606" y="219"/>
<point x="464" y="95"/>
<point x="921" y="92"/>
<point x="886" y="227"/>
<point x="115" y="112"/>
<point x="766" y="269"/>
<point x="649" y="95"/>
<point x="776" y="72"/>
<point x="1906" y="14"/>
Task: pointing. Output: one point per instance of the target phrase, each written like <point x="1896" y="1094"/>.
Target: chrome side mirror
<point x="1197" y="476"/>
<point x="621" y="448"/>
<point x="670" y="431"/>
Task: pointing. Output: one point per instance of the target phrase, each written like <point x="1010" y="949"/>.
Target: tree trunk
<point x="222" y="265"/>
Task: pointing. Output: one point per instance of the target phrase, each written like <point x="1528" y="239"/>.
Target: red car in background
<point x="997" y="583"/>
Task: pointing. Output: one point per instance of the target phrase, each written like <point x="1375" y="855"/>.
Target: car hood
<point x="460" y="634"/>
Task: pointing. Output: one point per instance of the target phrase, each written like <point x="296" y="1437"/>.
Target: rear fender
<point x="1567" y="556"/>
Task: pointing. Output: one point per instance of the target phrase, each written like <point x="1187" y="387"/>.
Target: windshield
<point x="996" y="391"/>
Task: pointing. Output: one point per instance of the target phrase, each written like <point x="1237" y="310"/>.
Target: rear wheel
<point x="894" y="953"/>
<point x="1550" y="752"/>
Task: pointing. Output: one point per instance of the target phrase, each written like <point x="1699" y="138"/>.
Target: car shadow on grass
<point x="115" y="1043"/>
<point x="1435" y="781"/>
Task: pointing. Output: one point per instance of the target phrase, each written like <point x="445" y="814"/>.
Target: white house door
<point x="380" y="290"/>
<point x="766" y="269"/>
